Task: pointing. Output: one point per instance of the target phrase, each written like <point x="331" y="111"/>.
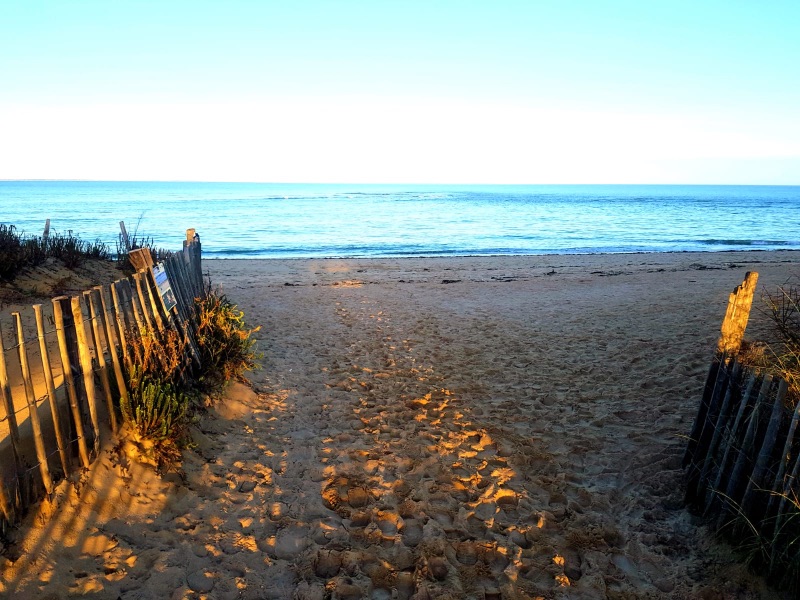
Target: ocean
<point x="262" y="220"/>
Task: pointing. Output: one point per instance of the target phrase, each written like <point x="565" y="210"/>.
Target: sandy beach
<point x="494" y="427"/>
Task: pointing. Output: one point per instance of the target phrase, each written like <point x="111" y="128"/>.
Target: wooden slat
<point x="778" y="483"/>
<point x="147" y="281"/>
<point x="96" y="321"/>
<point x="178" y="291"/>
<point x="8" y="401"/>
<point x="119" y="319"/>
<point x="33" y="410"/>
<point x="704" y="431"/>
<point x="756" y="480"/>
<point x="13" y="429"/>
<point x="714" y="371"/>
<point x="748" y="400"/>
<point x="110" y="323"/>
<point x="133" y="303"/>
<point x="140" y="258"/>
<point x="51" y="389"/>
<point x="85" y="358"/>
<point x="62" y="313"/>
<point x="737" y="482"/>
<point x="142" y="303"/>
<point x="709" y="462"/>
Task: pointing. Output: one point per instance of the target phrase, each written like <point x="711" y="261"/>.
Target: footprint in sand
<point x="412" y="532"/>
<point x="327" y="563"/>
<point x="388" y="522"/>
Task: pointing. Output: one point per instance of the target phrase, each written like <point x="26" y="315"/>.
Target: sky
<point x="391" y="91"/>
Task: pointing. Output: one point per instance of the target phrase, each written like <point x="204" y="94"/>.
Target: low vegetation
<point x="784" y="352"/>
<point x="166" y="390"/>
<point x="227" y="346"/>
<point x="135" y="242"/>
<point x="19" y="252"/>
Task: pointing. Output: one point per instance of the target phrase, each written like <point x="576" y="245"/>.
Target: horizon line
<point x="231" y="181"/>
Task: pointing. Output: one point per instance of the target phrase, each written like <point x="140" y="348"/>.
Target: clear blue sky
<point x="401" y="91"/>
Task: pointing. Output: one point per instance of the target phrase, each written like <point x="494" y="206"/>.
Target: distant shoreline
<point x="502" y="256"/>
<point x="491" y="270"/>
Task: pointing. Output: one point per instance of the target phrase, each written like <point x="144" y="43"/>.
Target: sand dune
<point x="438" y="428"/>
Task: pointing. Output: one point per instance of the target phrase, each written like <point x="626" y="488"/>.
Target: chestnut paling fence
<point x="743" y="455"/>
<point x="62" y="370"/>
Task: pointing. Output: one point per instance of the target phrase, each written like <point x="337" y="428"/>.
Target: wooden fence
<point x="742" y="457"/>
<point x="62" y="372"/>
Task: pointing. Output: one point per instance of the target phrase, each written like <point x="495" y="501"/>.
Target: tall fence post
<point x="124" y="235"/>
<point x="737" y="315"/>
<point x="192" y="257"/>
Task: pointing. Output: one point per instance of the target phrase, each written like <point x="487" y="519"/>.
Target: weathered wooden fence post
<point x="137" y="279"/>
<point x="110" y="331"/>
<point x="133" y="303"/>
<point x="65" y="329"/>
<point x="124" y="235"/>
<point x="737" y="315"/>
<point x="100" y="356"/>
<point x="33" y="409"/>
<point x="120" y="319"/>
<point x="51" y="389"/>
<point x="192" y="258"/>
<point x="11" y="417"/>
<point x="85" y="359"/>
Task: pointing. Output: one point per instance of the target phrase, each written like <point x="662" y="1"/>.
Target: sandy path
<point x="510" y="434"/>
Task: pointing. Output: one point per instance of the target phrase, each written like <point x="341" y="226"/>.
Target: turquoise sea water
<point x="244" y="220"/>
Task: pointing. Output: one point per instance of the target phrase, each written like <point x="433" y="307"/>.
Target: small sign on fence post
<point x="164" y="288"/>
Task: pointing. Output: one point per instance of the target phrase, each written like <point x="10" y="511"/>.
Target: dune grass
<point x="19" y="252"/>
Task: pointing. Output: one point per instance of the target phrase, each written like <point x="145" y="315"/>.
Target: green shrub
<point x="226" y="345"/>
<point x="136" y="242"/>
<point x="157" y="414"/>
<point x="34" y="251"/>
<point x="160" y="355"/>
<point x="11" y="253"/>
<point x="160" y="395"/>
<point x="772" y="545"/>
<point x="73" y="251"/>
<point x="18" y="252"/>
<point x="163" y="394"/>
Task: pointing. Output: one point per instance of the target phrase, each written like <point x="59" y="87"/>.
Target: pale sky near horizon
<point x="401" y="91"/>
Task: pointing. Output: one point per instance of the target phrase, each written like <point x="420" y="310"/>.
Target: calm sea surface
<point x="244" y="220"/>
